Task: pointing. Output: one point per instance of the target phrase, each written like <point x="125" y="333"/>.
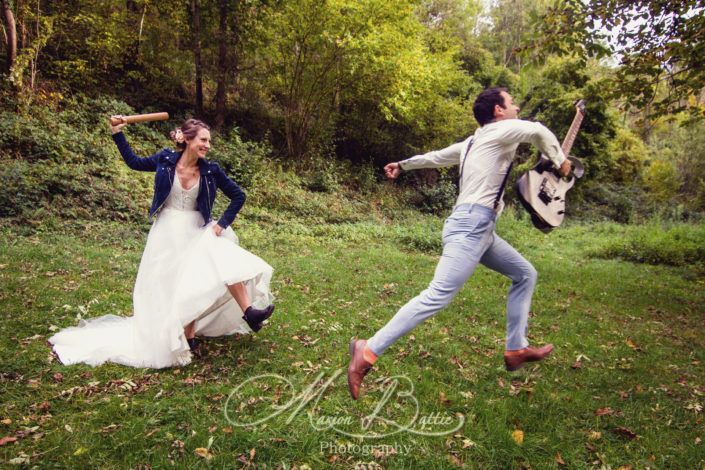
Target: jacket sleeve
<point x="231" y="189"/>
<point x="436" y="159"/>
<point x="132" y="160"/>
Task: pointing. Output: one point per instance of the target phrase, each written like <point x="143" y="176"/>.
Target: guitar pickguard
<point x="547" y="191"/>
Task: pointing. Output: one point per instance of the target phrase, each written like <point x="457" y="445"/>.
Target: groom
<point x="468" y="234"/>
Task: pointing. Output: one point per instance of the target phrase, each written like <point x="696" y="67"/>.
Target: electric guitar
<point x="542" y="190"/>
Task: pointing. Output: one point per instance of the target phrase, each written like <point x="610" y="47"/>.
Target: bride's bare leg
<point x="254" y="317"/>
<point x="239" y="292"/>
<point x="188" y="330"/>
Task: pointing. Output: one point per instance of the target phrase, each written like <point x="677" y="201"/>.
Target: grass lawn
<point x="624" y="387"/>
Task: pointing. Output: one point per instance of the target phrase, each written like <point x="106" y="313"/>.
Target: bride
<point x="193" y="279"/>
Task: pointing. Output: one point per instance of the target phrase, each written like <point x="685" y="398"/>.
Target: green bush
<point x="676" y="245"/>
<point x="610" y="201"/>
<point x="437" y="199"/>
<point x="246" y="162"/>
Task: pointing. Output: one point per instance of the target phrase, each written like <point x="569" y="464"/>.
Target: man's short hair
<point x="483" y="109"/>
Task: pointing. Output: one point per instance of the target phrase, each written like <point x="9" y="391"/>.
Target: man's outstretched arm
<point x="436" y="159"/>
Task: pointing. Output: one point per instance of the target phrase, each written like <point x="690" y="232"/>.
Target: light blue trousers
<point x="468" y="239"/>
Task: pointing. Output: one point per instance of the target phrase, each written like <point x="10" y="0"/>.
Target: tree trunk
<point x="196" y="11"/>
<point x="22" y="36"/>
<point x="222" y="65"/>
<point x="11" y="31"/>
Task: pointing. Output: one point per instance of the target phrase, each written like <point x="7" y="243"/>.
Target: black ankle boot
<point x="254" y="317"/>
<point x="194" y="345"/>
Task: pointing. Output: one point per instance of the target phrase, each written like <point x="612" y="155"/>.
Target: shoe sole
<point x="351" y="350"/>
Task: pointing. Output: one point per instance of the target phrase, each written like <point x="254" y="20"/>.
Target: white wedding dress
<point x="183" y="276"/>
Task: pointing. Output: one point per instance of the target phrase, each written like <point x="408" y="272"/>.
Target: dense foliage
<point x="330" y="91"/>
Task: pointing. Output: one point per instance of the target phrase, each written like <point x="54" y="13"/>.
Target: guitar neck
<point x="572" y="133"/>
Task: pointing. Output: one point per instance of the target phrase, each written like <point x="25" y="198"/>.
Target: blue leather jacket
<point x="164" y="164"/>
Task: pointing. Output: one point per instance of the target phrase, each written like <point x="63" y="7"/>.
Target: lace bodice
<point x="180" y="198"/>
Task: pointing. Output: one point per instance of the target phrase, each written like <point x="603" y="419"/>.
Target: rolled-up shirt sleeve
<point x="448" y="156"/>
<point x="517" y="131"/>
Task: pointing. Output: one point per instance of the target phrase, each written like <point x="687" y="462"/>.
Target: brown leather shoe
<point x="358" y="368"/>
<point x="514" y="360"/>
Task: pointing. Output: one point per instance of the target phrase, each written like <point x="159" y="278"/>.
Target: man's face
<point x="510" y="110"/>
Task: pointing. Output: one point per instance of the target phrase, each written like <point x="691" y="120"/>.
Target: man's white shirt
<point x="493" y="147"/>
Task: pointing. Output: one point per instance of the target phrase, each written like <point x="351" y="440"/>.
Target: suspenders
<point x="504" y="181"/>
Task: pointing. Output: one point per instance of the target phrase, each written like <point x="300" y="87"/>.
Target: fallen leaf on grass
<point x="21" y="459"/>
<point x="577" y="365"/>
<point x="7" y="440"/>
<point x="383" y="454"/>
<point x="109" y="428"/>
<point x="624" y="432"/>
<point x="26" y="431"/>
<point x="192" y="380"/>
<point x="242" y="458"/>
<point x="443" y="399"/>
<point x="6" y="421"/>
<point x="632" y="344"/>
<point x="455" y="460"/>
<point x="454" y="360"/>
<point x="518" y="436"/>
<point x="559" y="459"/>
<point x="43" y="406"/>
<point x="607" y="411"/>
<point x="372" y="465"/>
<point x="203" y="453"/>
<point x="694" y="406"/>
<point x="80" y="451"/>
<point x="624" y="467"/>
<point x="595" y="435"/>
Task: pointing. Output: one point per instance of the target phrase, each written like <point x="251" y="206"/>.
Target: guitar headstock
<point x="580" y="106"/>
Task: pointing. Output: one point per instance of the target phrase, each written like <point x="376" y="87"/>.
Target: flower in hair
<point x="179" y="136"/>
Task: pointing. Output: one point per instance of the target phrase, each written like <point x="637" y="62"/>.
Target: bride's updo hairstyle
<point x="188" y="130"/>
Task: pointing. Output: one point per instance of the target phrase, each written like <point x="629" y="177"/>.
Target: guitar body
<point x="542" y="193"/>
<point x="542" y="190"/>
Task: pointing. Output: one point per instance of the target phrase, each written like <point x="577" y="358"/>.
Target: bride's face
<point x="200" y="144"/>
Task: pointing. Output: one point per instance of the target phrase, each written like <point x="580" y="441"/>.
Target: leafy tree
<point x="365" y="61"/>
<point x="627" y="153"/>
<point x="661" y="180"/>
<point x="657" y="41"/>
<point x="10" y="26"/>
<point x="680" y="144"/>
<point x="549" y="99"/>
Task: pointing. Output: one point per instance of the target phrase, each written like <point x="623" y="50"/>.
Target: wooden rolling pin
<point x="115" y="120"/>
